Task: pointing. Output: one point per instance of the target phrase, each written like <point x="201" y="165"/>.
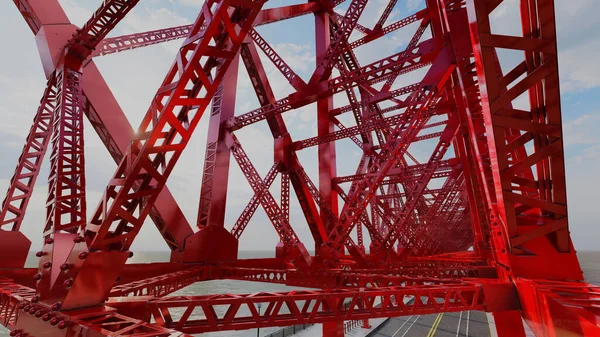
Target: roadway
<point x="456" y="324"/>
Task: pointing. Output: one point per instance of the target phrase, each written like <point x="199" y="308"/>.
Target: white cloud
<point x="579" y="68"/>
<point x="191" y="3"/>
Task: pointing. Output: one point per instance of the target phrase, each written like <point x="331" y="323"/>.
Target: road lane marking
<point x="435" y="325"/>
<point x="402" y="326"/>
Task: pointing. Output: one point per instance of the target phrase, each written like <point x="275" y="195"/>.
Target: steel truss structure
<point x="481" y="225"/>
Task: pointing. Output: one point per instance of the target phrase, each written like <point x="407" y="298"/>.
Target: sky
<point x="134" y="76"/>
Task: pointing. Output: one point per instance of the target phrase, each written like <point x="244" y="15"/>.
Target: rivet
<point x="47" y="264"/>
<point x="64" y="266"/>
<point x="62" y="324"/>
<point x="49" y="241"/>
<point x="35" y="299"/>
<point x="56" y="306"/>
<point x="37" y="276"/>
<point x="130" y="254"/>
<point x="39" y="313"/>
<point x="26" y="308"/>
<point x="21" y="306"/>
<point x="46" y="317"/>
<point x="78" y="239"/>
<point x="83" y="255"/>
<point x="14" y="332"/>
<point x="32" y="310"/>
<point x="68" y="283"/>
<point x="39" y="254"/>
<point x="54" y="320"/>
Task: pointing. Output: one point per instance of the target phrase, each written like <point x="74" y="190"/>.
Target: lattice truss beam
<point x="457" y="201"/>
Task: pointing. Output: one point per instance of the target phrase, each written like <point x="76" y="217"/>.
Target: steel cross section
<point x="286" y="233"/>
<point x="400" y="139"/>
<point x="404" y="61"/>
<point x="137" y="40"/>
<point x="109" y="122"/>
<point x="111" y="231"/>
<point x="248" y="212"/>
<point x="282" y="140"/>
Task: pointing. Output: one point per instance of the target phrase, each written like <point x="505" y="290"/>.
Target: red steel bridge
<point x="481" y="225"/>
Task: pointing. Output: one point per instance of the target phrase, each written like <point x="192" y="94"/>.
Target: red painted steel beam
<point x="161" y="285"/>
<point x="137" y="40"/>
<point x="66" y="202"/>
<point x="386" y="13"/>
<point x="537" y="76"/>
<point x="112" y="229"/>
<point x="213" y="191"/>
<point x="22" y="183"/>
<point x="378" y="33"/>
<point x="286" y="234"/>
<point x="282" y="141"/>
<point x="560" y="307"/>
<point x="104" y="19"/>
<point x="328" y="57"/>
<point x="396" y="63"/>
<point x="304" y="306"/>
<point x="110" y="123"/>
<point x="403" y="135"/>
<point x="248" y="212"/>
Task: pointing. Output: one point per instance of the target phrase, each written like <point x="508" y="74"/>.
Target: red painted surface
<point x="502" y="191"/>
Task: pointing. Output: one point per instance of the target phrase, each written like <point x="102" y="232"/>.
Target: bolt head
<point x="47" y="264"/>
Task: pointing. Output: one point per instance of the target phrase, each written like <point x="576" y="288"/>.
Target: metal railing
<point x="289" y="331"/>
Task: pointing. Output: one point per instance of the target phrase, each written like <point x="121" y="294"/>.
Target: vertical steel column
<point x="213" y="242"/>
<point x="213" y="193"/>
<point x="326" y="151"/>
<point x="66" y="206"/>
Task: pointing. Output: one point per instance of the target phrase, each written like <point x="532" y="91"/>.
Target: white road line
<point x="402" y="326"/>
<point x="468" y="321"/>
<point x="458" y="327"/>
<point x="413" y="323"/>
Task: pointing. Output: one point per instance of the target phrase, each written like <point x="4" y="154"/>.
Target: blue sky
<point x="134" y="76"/>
